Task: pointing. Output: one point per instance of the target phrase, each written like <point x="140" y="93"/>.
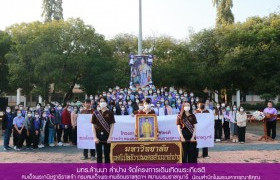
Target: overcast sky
<point x="160" y="17"/>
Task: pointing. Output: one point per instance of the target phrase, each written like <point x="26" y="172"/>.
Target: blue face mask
<point x="19" y="114"/>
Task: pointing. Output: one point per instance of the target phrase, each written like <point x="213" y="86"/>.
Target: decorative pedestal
<point x="265" y="137"/>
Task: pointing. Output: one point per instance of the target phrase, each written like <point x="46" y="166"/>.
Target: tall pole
<point x="140" y="29"/>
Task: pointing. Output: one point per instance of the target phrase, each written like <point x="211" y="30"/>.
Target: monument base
<point x="146" y="152"/>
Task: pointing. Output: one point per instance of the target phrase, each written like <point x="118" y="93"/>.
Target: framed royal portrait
<point x="146" y="127"/>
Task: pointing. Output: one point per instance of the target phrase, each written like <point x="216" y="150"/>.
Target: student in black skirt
<point x="186" y="122"/>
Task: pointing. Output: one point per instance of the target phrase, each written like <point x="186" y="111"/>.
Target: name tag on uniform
<point x="101" y="133"/>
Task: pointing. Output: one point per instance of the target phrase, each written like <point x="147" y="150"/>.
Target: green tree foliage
<point x="5" y="43"/>
<point x="224" y="13"/>
<point x="52" y="10"/>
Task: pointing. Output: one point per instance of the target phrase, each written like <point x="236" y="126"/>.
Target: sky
<point x="160" y="17"/>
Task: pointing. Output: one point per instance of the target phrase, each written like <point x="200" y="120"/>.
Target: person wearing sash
<point x="103" y="125"/>
<point x="186" y="123"/>
<point x="201" y="109"/>
<point x="88" y="110"/>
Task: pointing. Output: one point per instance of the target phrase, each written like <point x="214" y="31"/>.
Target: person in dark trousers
<point x="58" y="125"/>
<point x="35" y="129"/>
<point x="18" y="123"/>
<point x="7" y="127"/>
<point x="218" y="114"/>
<point x="271" y="115"/>
<point x="201" y="109"/>
<point x="241" y="118"/>
<point x="27" y="124"/>
<point x="186" y="122"/>
<point x="103" y="125"/>
<point x="66" y="121"/>
<point x="88" y="110"/>
<point x="15" y="138"/>
<point x="227" y="119"/>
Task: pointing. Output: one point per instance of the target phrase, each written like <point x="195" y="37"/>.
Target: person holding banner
<point x="103" y="125"/>
<point x="88" y="110"/>
<point x="201" y="109"/>
<point x="186" y="123"/>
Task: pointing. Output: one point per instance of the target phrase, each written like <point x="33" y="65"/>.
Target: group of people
<point x="41" y="126"/>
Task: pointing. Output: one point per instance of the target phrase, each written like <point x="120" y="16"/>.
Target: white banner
<point x="125" y="127"/>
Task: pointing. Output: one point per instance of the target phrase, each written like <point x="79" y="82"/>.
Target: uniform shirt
<point x="18" y="121"/>
<point x="109" y="118"/>
<point x="159" y="111"/>
<point x="36" y="124"/>
<point x="87" y="111"/>
<point x="271" y="111"/>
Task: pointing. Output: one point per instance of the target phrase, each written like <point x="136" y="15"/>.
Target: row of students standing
<point x="230" y="121"/>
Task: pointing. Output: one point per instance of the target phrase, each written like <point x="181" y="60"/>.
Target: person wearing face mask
<point x="66" y="121"/>
<point x="58" y="124"/>
<point x="241" y="118"/>
<point x="7" y="127"/>
<point x="158" y="109"/>
<point x="167" y="108"/>
<point x="130" y="108"/>
<point x="123" y="111"/>
<point x="27" y="124"/>
<point x="89" y="110"/>
<point x="227" y="118"/>
<point x="233" y="125"/>
<point x="23" y="112"/>
<point x="140" y="108"/>
<point x="223" y="107"/>
<point x="271" y="115"/>
<point x="38" y="109"/>
<point x="20" y="130"/>
<point x="74" y="116"/>
<point x="102" y="126"/>
<point x="51" y="127"/>
<point x="175" y="110"/>
<point x="35" y="130"/>
<point x="201" y="109"/>
<point x="218" y="114"/>
<point x="43" y="128"/>
<point x="186" y="123"/>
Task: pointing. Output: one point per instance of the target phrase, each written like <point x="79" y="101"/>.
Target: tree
<point x="59" y="52"/>
<point x="224" y="13"/>
<point x="5" y="43"/>
<point x="52" y="10"/>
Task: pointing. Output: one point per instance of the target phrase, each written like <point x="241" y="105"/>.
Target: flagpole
<point x="140" y="29"/>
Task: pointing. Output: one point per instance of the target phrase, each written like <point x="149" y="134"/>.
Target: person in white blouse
<point x="241" y="118"/>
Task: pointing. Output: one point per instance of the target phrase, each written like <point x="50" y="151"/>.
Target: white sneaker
<point x="218" y="140"/>
<point x="60" y="144"/>
<point x="41" y="146"/>
<point x="15" y="148"/>
<point x="233" y="140"/>
<point x="66" y="144"/>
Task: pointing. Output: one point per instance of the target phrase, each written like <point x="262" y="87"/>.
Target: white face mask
<point x="20" y="108"/>
<point x="241" y="110"/>
<point x="114" y="109"/>
<point x="123" y="109"/>
<point x="206" y="107"/>
<point x="158" y="105"/>
<point x="59" y="108"/>
<point x="36" y="115"/>
<point x="38" y="107"/>
<point x="103" y="104"/>
<point x="234" y="108"/>
<point x="141" y="107"/>
<point x="98" y="108"/>
<point x="69" y="109"/>
<point x="223" y="105"/>
<point x="8" y="110"/>
<point x="19" y="114"/>
<point x="44" y="115"/>
<point x="147" y="106"/>
<point x="29" y="115"/>
<point x="129" y="103"/>
<point x="91" y="97"/>
<point x="187" y="108"/>
<point x="218" y="107"/>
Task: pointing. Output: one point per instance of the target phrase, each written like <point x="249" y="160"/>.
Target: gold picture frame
<point x="146" y="127"/>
